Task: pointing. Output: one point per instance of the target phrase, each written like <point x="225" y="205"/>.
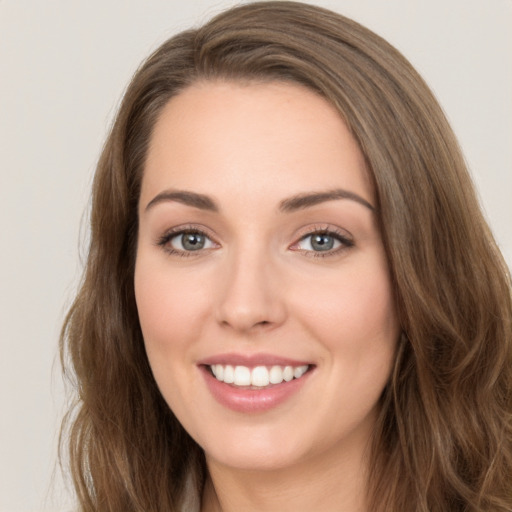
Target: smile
<point x="254" y="383"/>
<point x="257" y="377"/>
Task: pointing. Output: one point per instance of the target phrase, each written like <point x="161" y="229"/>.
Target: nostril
<point x="262" y="324"/>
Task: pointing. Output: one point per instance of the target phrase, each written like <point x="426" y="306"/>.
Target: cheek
<point x="352" y="313"/>
<point x="171" y="310"/>
<point x="353" y="317"/>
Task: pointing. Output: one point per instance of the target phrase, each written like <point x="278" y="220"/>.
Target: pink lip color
<point x="246" y="400"/>
<point x="251" y="360"/>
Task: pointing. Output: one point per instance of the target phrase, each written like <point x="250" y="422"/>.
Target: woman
<point x="291" y="299"/>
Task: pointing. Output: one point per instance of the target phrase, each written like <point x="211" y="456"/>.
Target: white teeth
<point x="276" y="375"/>
<point x="288" y="373"/>
<point x="242" y="376"/>
<point x="229" y="374"/>
<point x="299" y="371"/>
<point x="260" y="376"/>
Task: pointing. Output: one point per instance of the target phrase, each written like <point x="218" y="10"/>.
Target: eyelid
<point x="163" y="240"/>
<point x="340" y="235"/>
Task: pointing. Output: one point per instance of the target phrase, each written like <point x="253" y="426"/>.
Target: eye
<point x="319" y="242"/>
<point x="322" y="243"/>
<point x="186" y="241"/>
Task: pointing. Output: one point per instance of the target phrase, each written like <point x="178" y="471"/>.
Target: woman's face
<point x="259" y="259"/>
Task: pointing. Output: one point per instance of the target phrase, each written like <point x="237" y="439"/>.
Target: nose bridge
<point x="250" y="295"/>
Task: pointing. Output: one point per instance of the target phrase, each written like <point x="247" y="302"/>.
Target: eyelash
<point x="346" y="243"/>
<point x="342" y="238"/>
<point x="164" y="240"/>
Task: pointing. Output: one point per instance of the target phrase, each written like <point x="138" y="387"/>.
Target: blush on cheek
<point x="355" y="313"/>
<point x="171" y="311"/>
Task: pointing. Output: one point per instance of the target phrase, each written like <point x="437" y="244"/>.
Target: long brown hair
<point x="443" y="440"/>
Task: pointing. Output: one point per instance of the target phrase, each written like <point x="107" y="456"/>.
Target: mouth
<point x="258" y="377"/>
<point x="254" y="383"/>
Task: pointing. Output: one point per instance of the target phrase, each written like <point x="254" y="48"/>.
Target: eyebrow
<point x="301" y="201"/>
<point x="193" y="199"/>
<point x="294" y="203"/>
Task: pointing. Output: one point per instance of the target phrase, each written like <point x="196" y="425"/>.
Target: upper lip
<point x="251" y="360"/>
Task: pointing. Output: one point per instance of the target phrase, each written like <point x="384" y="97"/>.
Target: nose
<point x="251" y="296"/>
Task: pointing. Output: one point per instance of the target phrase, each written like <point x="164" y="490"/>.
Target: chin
<point x="259" y="450"/>
<point x="254" y="460"/>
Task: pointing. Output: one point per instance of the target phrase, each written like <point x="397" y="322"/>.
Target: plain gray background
<point x="63" y="67"/>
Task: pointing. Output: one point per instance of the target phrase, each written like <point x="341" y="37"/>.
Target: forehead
<point x="267" y="140"/>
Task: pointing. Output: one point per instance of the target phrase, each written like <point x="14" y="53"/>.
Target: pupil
<point x="193" y="241"/>
<point x="322" y="242"/>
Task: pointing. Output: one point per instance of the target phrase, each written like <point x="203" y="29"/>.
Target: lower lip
<point x="252" y="400"/>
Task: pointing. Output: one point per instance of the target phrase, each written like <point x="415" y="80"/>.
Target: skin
<point x="258" y="286"/>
